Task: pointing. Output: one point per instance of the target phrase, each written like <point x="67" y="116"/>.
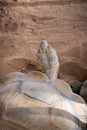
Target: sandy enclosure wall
<point x="63" y="23"/>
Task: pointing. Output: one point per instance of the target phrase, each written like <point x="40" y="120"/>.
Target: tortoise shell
<point x="33" y="102"/>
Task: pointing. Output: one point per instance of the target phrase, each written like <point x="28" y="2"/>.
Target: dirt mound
<point x="63" y="24"/>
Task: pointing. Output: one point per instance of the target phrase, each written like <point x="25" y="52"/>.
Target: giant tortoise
<point x="33" y="102"/>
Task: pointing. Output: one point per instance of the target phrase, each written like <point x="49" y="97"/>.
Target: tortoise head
<point x="44" y="44"/>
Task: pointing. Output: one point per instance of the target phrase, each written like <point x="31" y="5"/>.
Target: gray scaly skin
<point x="48" y="60"/>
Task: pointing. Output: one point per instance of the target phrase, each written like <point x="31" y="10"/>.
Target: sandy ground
<point x="25" y="23"/>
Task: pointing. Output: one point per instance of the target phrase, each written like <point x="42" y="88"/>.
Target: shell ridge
<point x="57" y="90"/>
<point x="35" y="98"/>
